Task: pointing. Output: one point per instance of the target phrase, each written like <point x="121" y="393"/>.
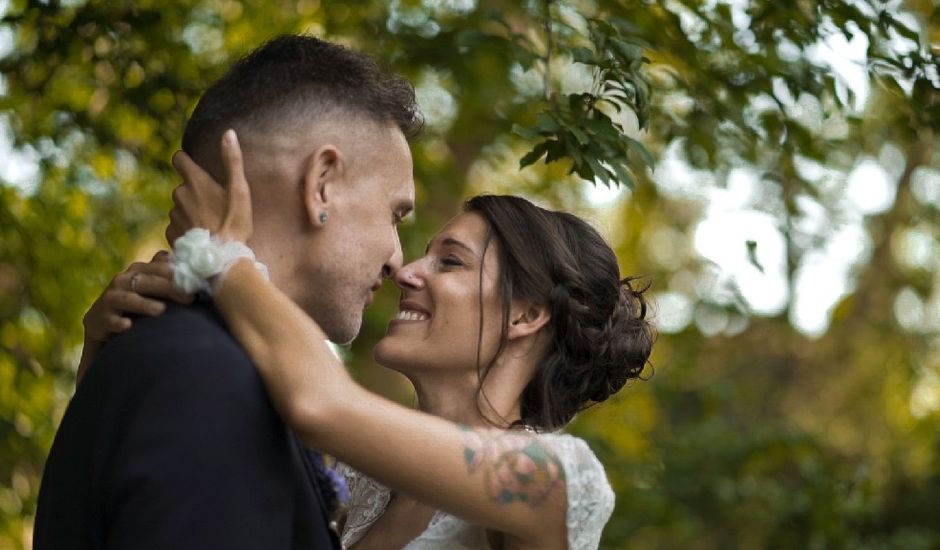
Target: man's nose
<point x="395" y="262"/>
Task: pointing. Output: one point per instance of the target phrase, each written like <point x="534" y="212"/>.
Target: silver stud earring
<point x="323" y="217"/>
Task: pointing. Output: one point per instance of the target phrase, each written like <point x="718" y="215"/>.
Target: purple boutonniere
<point x="332" y="484"/>
<point x="339" y="486"/>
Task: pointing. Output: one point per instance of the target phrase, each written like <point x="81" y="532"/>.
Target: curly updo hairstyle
<point x="600" y="337"/>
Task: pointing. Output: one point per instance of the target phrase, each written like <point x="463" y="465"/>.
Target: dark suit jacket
<point x="171" y="442"/>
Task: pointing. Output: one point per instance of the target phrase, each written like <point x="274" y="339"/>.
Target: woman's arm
<point x="508" y="481"/>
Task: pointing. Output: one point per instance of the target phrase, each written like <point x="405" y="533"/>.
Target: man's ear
<point x="326" y="169"/>
<point x="527" y="318"/>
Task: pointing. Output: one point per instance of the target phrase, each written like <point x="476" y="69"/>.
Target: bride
<point x="515" y="319"/>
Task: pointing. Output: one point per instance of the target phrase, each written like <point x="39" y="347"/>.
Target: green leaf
<point x="641" y="149"/>
<point x="579" y="134"/>
<point x="583" y="55"/>
<point x="574" y="151"/>
<point x="525" y="57"/>
<point x="469" y="38"/>
<point x="623" y="176"/>
<point x="534" y="155"/>
<point x="556" y="150"/>
<point x="497" y="17"/>
<point x="525" y="133"/>
<point x="598" y="169"/>
<point x="546" y="124"/>
<point x="628" y="52"/>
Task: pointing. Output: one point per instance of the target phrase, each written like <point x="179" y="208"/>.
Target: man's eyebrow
<point x="450" y="241"/>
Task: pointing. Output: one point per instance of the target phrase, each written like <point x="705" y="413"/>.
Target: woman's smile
<point x="410" y="311"/>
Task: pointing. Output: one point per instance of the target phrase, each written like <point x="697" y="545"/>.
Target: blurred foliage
<point x="751" y="434"/>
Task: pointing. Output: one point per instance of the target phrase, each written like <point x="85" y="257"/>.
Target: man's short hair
<point x="296" y="78"/>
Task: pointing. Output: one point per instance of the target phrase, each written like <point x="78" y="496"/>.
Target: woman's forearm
<point x="459" y="470"/>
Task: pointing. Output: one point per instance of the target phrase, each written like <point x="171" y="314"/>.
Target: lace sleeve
<point x="590" y="498"/>
<point x="367" y="501"/>
<point x="349" y="474"/>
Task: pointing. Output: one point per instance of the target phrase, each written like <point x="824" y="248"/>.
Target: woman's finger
<point x="237" y="222"/>
<point x="176" y="228"/>
<point x="187" y="168"/>
<point x="160" y="286"/>
<point x="182" y="195"/>
<point x="157" y="268"/>
<point x="101" y="322"/>
<point x="233" y="162"/>
<point x="195" y="180"/>
<point x="127" y="301"/>
<point x="161" y="256"/>
<point x="122" y="281"/>
<point x="115" y="323"/>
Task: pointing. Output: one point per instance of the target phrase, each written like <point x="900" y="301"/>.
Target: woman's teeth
<point x="406" y="315"/>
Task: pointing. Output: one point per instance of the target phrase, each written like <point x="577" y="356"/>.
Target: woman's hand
<point x="139" y="290"/>
<point x="202" y="202"/>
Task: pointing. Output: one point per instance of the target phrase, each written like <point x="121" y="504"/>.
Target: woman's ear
<point x="326" y="168"/>
<point x="527" y="318"/>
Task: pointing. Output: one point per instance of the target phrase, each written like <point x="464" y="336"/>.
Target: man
<point x="170" y="440"/>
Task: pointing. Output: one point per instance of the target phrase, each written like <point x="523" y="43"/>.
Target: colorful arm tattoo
<point x="515" y="467"/>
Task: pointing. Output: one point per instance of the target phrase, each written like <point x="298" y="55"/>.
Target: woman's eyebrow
<point x="450" y="241"/>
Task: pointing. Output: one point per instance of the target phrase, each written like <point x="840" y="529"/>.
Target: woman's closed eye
<point x="451" y="261"/>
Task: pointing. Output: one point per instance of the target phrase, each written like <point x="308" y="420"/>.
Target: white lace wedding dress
<point x="590" y="503"/>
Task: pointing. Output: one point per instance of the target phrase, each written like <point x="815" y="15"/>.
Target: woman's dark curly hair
<point x="600" y="335"/>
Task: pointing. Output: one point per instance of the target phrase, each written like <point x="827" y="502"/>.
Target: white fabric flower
<point x="198" y="256"/>
<point x="205" y="262"/>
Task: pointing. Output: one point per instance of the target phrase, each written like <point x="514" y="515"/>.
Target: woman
<point x="514" y="320"/>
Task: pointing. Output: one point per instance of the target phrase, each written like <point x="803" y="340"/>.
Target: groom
<point x="170" y="441"/>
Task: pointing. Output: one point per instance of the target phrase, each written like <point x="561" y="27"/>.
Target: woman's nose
<point x="410" y="276"/>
